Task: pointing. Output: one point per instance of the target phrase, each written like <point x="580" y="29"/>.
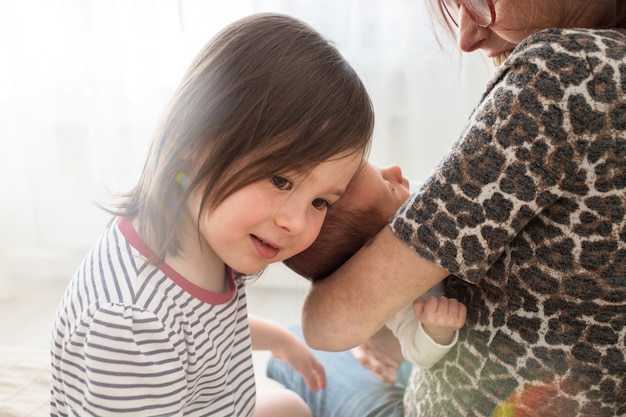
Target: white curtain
<point x="82" y="83"/>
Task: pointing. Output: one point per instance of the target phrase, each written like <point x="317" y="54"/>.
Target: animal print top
<point x="528" y="211"/>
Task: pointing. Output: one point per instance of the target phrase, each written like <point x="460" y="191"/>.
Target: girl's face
<point x="516" y="20"/>
<point x="383" y="188"/>
<point x="272" y="220"/>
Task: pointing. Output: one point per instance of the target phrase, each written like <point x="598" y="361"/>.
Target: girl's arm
<point x="348" y="307"/>
<point x="267" y="335"/>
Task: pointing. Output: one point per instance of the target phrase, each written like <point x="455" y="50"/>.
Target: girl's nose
<point x="291" y="216"/>
<point x="470" y="35"/>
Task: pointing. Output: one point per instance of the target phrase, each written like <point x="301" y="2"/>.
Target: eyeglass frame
<point x="492" y="11"/>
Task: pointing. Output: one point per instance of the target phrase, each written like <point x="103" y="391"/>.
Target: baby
<point x="428" y="328"/>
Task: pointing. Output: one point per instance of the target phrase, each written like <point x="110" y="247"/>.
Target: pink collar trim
<point x="128" y="230"/>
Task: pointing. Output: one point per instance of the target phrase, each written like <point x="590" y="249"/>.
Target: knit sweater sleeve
<point x="520" y="156"/>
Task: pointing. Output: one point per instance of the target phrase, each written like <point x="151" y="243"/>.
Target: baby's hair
<point x="268" y="95"/>
<point x="346" y="228"/>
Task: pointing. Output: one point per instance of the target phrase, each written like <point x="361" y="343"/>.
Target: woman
<point x="527" y="211"/>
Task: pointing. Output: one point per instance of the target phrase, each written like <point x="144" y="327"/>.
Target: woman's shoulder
<point x="574" y="38"/>
<point x="557" y="58"/>
<point x="554" y="43"/>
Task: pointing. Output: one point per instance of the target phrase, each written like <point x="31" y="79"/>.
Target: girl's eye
<point x="281" y="183"/>
<point x="320" y="203"/>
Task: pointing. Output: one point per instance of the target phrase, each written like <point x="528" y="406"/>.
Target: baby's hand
<point x="440" y="317"/>
<point x="381" y="354"/>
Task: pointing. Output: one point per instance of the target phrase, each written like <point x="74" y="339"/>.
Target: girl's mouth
<point x="263" y="248"/>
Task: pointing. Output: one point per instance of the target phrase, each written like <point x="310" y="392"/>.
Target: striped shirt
<point x="137" y="339"/>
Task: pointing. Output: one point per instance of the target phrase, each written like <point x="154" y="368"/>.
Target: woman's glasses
<point x="481" y="11"/>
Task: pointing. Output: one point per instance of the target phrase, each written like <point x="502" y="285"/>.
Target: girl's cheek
<point x="307" y="242"/>
<point x="311" y="235"/>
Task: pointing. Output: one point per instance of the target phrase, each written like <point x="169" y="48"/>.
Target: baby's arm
<point x="425" y="343"/>
<point x="267" y="335"/>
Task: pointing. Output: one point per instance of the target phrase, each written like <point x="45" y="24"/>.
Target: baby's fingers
<point x="460" y="313"/>
<point x="440" y="311"/>
<point x="451" y="313"/>
<point x="426" y="307"/>
<point x="418" y="307"/>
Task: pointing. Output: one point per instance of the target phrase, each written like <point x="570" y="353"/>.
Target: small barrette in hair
<point x="183" y="180"/>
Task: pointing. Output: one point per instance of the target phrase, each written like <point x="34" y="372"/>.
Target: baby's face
<point x="384" y="188"/>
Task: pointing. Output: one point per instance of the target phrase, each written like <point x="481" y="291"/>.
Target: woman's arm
<point x="348" y="307"/>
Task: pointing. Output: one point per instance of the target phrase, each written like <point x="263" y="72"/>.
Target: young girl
<point x="265" y="131"/>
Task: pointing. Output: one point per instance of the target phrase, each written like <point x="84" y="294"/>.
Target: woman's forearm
<point x="348" y="307"/>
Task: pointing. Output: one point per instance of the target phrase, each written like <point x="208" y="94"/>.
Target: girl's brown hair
<point x="266" y="96"/>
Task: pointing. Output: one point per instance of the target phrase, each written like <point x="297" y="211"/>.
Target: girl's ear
<point x="193" y="155"/>
<point x="188" y="155"/>
<point x="190" y="159"/>
<point x="186" y="169"/>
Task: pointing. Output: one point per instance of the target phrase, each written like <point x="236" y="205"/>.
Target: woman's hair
<point x="439" y="21"/>
<point x="267" y="95"/>
<point x="346" y="228"/>
<point x="615" y="16"/>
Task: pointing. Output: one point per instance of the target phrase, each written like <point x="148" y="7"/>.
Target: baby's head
<point x="371" y="198"/>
